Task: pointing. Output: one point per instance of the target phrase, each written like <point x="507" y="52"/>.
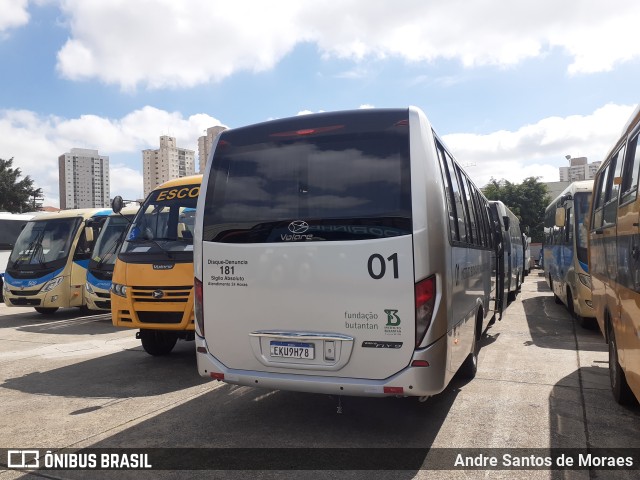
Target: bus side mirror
<point x="117" y="203"/>
<point x="507" y="223"/>
<point x="561" y="217"/>
<point x="88" y="234"/>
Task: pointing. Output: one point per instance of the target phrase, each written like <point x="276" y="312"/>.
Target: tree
<point x="527" y="201"/>
<point x="16" y="196"/>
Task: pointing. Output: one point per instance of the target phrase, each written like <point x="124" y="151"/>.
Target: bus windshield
<point x="581" y="207"/>
<point x="106" y="249"/>
<point x="9" y="231"/>
<point x="164" y="224"/>
<point x="44" y="241"/>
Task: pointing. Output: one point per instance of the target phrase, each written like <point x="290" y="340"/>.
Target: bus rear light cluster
<point x="425" y="303"/>
<point x="198" y="306"/>
<point x="393" y="390"/>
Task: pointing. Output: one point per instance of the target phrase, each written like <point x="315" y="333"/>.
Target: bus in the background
<point x="614" y="258"/>
<point x="47" y="268"/>
<point x="566" y="266"/>
<point x="152" y="285"/>
<point x="103" y="258"/>
<point x="510" y="253"/>
<point x="11" y="224"/>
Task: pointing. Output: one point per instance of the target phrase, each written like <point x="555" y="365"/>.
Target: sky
<point x="512" y="87"/>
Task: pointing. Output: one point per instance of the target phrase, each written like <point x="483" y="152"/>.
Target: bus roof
<point x="128" y="210"/>
<point x="18" y="216"/>
<point x="177" y="182"/>
<point x="76" y="212"/>
<point x="575" y="187"/>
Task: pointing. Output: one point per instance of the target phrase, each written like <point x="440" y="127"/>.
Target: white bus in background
<point x="11" y="224"/>
<point x="343" y="253"/>
<point x="510" y="253"/>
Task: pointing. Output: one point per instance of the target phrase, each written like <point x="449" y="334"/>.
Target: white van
<point x="343" y="253"/>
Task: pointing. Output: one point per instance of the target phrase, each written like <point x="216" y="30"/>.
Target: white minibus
<point x="510" y="253"/>
<point x="342" y="253"/>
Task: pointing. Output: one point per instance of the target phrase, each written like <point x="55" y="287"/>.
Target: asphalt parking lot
<point x="71" y="381"/>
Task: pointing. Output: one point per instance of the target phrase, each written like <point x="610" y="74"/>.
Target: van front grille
<point x="161" y="294"/>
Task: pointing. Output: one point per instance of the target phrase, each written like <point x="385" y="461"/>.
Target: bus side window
<point x="466" y="221"/>
<point x="629" y="187"/>
<point x="457" y="198"/>
<point x="84" y="247"/>
<point x="611" y="198"/>
<point x="473" y="214"/>
<point x="599" y="195"/>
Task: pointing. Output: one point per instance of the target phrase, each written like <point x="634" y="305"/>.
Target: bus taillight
<point x="198" y="306"/>
<point x="425" y="301"/>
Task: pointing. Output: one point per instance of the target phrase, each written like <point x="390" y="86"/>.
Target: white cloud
<point x="14" y="14"/>
<point x="532" y="150"/>
<point x="538" y="150"/>
<point x="163" y="43"/>
<point x="36" y="141"/>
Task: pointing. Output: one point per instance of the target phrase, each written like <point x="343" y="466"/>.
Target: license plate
<point x="292" y="350"/>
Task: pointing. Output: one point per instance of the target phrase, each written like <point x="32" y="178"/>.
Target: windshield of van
<point x="326" y="177"/>
<point x="44" y="241"/>
<point x="164" y="224"/>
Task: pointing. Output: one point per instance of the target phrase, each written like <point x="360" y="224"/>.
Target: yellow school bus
<point x="152" y="283"/>
<point x="614" y="260"/>
<point x="47" y="268"/>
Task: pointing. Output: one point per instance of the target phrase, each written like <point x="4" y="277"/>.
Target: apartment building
<point x="578" y="169"/>
<point x="204" y="145"/>
<point x="166" y="163"/>
<point x="83" y="179"/>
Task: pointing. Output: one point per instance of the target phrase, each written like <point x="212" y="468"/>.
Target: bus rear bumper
<point x="418" y="381"/>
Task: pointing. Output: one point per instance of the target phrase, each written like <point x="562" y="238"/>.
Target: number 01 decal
<point x="377" y="265"/>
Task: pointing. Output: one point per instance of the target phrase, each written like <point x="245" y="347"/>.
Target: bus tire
<point x="619" y="386"/>
<point x="46" y="310"/>
<point x="586" y="323"/>
<point x="556" y="298"/>
<point x="469" y="367"/>
<point x="570" y="306"/>
<point x="158" y="342"/>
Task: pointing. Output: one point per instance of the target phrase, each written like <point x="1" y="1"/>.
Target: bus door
<point x="499" y="247"/>
<point x="628" y="266"/>
<point x="605" y="224"/>
<point x="565" y="223"/>
<point x="81" y="256"/>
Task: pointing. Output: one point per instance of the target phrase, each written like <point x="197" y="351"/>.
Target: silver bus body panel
<point x="321" y="287"/>
<point x="322" y="290"/>
<point x="415" y="381"/>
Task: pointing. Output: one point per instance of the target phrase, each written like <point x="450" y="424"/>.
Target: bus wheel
<point x="158" y="342"/>
<point x="556" y="298"/>
<point x="619" y="386"/>
<point x="469" y="367"/>
<point x="586" y="323"/>
<point x="570" y="307"/>
<point x="46" y="311"/>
